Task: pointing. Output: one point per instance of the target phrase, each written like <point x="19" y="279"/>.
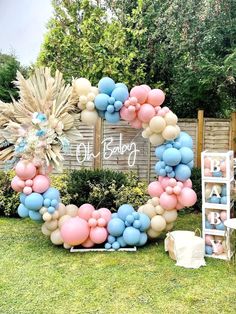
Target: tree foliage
<point x="188" y="48"/>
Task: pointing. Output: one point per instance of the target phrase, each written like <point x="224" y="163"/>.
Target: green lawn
<point x="37" y="277"/>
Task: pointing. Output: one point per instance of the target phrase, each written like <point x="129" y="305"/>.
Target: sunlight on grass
<point x="37" y="277"/>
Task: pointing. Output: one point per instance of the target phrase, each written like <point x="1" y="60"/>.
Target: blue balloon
<point x="162" y="172"/>
<point x="220" y="226"/>
<point x="34" y="201"/>
<point x="52" y="193"/>
<point x="47" y="202"/>
<point x="168" y="169"/>
<point x="208" y="225"/>
<point x="35" y="215"/>
<point x="168" y="145"/>
<point x="159" y="151"/>
<point x="23" y="212"/>
<point x="51" y="210"/>
<point x="118" y="104"/>
<point x="54" y="203"/>
<point x="135" y="215"/>
<point x="121" y="85"/>
<point x="120" y="94"/>
<point x="107" y="246"/>
<point x="130" y="219"/>
<point x="101" y="101"/>
<point x="145" y="222"/>
<point x="182" y="172"/>
<point x="106" y="85"/>
<point x="171" y="174"/>
<point x="112" y="117"/>
<point x="111" y="239"/>
<point x="158" y="167"/>
<point x="223" y="200"/>
<point x="116" y="245"/>
<point x="208" y="250"/>
<point x="177" y="145"/>
<point x="121" y="241"/>
<point x="111" y="101"/>
<point x="110" y="108"/>
<point x="114" y="215"/>
<point x="131" y="236"/>
<point x="185" y="140"/>
<point x="116" y="227"/>
<point x="125" y="210"/>
<point x="224" y="191"/>
<point x="215" y="199"/>
<point x="143" y="239"/>
<point x="171" y="156"/>
<point x="190" y="164"/>
<point x="128" y="224"/>
<point x="186" y="155"/>
<point x="217" y="174"/>
<point x="22" y="198"/>
<point x="137" y="224"/>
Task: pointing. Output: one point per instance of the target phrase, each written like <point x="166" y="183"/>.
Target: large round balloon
<point x="75" y="231"/>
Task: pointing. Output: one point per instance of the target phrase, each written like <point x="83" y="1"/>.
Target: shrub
<point x="60" y="182"/>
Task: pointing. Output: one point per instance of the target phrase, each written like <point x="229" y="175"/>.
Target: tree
<point x="188" y="48"/>
<point x="8" y="68"/>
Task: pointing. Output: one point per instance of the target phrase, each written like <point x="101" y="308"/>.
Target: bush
<point x="9" y="199"/>
<point x="60" y="182"/>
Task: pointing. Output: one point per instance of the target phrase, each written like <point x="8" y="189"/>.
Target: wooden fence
<point x="207" y="133"/>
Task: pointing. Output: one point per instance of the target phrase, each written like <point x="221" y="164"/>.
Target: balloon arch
<point x="40" y="125"/>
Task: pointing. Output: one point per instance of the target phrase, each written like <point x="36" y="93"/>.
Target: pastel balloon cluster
<point x="175" y="158"/>
<point x="161" y="219"/>
<point x="215" y="171"/>
<point x="87" y="94"/>
<point x="110" y="99"/>
<point x="219" y="225"/>
<point x="161" y="127"/>
<point x="143" y="104"/>
<point x="216" y="193"/>
<point x="127" y="228"/>
<point x="215" y="245"/>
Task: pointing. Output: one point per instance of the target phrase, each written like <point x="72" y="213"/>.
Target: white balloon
<point x="157" y="124"/>
<point x="89" y="117"/>
<point x="83" y="86"/>
<point x="156" y="139"/>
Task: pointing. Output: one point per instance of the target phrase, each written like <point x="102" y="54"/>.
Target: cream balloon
<point x="148" y="131"/>
<point x="89" y="117"/>
<point x="155" y="201"/>
<point x="91" y="96"/>
<point x="55" y="215"/>
<point x="170" y="216"/>
<point x="177" y="129"/>
<point x="158" y="223"/>
<point x="144" y="134"/>
<point x="67" y="246"/>
<point x="152" y="233"/>
<point x="149" y="210"/>
<point x="169" y="226"/>
<point x="83" y="100"/>
<point x="157" y="124"/>
<point x="207" y="193"/>
<point x="83" y="86"/>
<point x="159" y="210"/>
<point x="62" y="220"/>
<point x="171" y="118"/>
<point x="145" y="125"/>
<point x="94" y="90"/>
<point x="61" y="209"/>
<point x="72" y="210"/>
<point x="51" y="225"/>
<point x="156" y="139"/>
<point x="45" y="230"/>
<point x="90" y="106"/>
<point x="47" y="217"/>
<point x="140" y="209"/>
<point x="43" y="210"/>
<point x="170" y="133"/>
<point x="56" y="237"/>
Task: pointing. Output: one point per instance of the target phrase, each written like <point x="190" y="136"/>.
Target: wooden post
<point x="233" y="131"/>
<point x="200" y="135"/>
<point x="98" y="134"/>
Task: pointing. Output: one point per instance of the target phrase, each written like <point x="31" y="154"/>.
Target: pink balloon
<point x="127" y="115"/>
<point x="75" y="231"/>
<point x="188" y="183"/>
<point x="16" y="184"/>
<point x="140" y="93"/>
<point x="168" y="202"/>
<point x="177" y="189"/>
<point x="96" y="214"/>
<point x="223" y="166"/>
<point x="155" y="189"/>
<point x="98" y="235"/>
<point x="156" y="97"/>
<point x="27" y="190"/>
<point x="223" y="215"/>
<point x="179" y="206"/>
<point x="207" y="162"/>
<point x="133" y="100"/>
<point x="40" y="183"/>
<point x="146" y="87"/>
<point x="208" y="239"/>
<point x="164" y="181"/>
<point x="169" y="190"/>
<point x="172" y="182"/>
<point x="25" y="170"/>
<point x="146" y="113"/>
<point x="105" y="214"/>
<point x="29" y="182"/>
<point x="88" y="243"/>
<point x="136" y="124"/>
<point x="92" y="222"/>
<point x="207" y="172"/>
<point x="187" y="197"/>
<point x="101" y="222"/>
<point x="85" y="211"/>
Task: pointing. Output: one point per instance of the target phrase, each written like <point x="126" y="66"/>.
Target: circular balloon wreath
<point x="40" y="125"/>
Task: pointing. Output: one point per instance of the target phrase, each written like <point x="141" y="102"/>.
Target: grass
<point x="37" y="277"/>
